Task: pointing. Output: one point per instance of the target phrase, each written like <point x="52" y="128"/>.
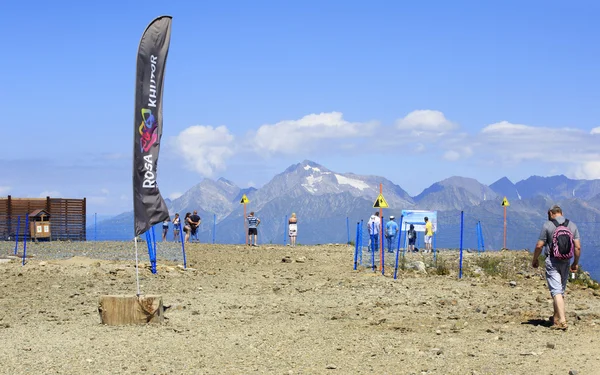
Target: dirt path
<point x="245" y="311"/>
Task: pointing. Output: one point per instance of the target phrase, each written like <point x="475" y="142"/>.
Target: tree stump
<point x="122" y="310"/>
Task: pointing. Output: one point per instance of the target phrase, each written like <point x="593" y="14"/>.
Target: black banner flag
<point x="148" y="205"/>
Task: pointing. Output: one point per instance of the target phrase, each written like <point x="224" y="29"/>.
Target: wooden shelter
<point x="67" y="217"/>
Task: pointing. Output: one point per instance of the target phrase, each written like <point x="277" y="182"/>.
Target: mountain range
<point x="330" y="204"/>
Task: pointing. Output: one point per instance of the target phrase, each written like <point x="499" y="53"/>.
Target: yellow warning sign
<point x="244" y="199"/>
<point x="505" y="202"/>
<point x="380" y="202"/>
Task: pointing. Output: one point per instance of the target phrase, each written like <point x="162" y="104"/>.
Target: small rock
<point x="437" y="351"/>
<point x="331" y="367"/>
<point x="550" y="345"/>
<point x="513" y="284"/>
<point x="286" y="260"/>
<point x="43" y="263"/>
<point x="529" y="353"/>
<point x="438" y="332"/>
<point x="301" y="260"/>
<point x="573" y="372"/>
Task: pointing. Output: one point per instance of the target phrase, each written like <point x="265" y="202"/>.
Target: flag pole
<point x="137" y="274"/>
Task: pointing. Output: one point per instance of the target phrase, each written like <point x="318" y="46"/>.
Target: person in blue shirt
<point x="391" y="230"/>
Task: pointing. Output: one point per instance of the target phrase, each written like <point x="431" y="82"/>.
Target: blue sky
<point x="413" y="91"/>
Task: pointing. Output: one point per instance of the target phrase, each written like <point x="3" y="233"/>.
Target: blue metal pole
<point x="356" y="246"/>
<point x="478" y="238"/>
<point x="398" y="249"/>
<point x="17" y="239"/>
<point x="372" y="246"/>
<point x="348" y="228"/>
<point x="481" y="234"/>
<point x="214" y="227"/>
<point x="182" y="245"/>
<point x="25" y="238"/>
<point x="285" y="223"/>
<point x="95" y="226"/>
<point x="462" y="216"/>
<point x="360" y="239"/>
<point x="153" y="251"/>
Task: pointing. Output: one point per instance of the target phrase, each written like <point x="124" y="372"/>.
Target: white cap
<point x="392" y="217"/>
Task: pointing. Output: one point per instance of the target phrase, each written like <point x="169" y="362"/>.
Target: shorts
<point x="428" y="239"/>
<point x="411" y="241"/>
<point x="186" y="228"/>
<point x="252" y="231"/>
<point x="293" y="230"/>
<point x="557" y="274"/>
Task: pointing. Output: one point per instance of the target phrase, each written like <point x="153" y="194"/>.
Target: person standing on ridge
<point x="253" y="223"/>
<point x="195" y="221"/>
<point x="373" y="224"/>
<point x="412" y="238"/>
<point x="563" y="243"/>
<point x="391" y="229"/>
<point x="187" y="227"/>
<point x="293" y="229"/>
<point x="428" y="235"/>
<point x="165" y="228"/>
<point x="176" y="227"/>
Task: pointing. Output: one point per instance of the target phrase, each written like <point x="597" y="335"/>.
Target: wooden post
<point x="380" y="231"/>
<point x="504" y="247"/>
<point x="122" y="310"/>
<point x="245" y="225"/>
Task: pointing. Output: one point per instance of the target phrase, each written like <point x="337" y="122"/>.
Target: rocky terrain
<point x="282" y="310"/>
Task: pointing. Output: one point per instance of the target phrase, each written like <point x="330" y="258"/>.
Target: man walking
<point x="373" y="224"/>
<point x="253" y="222"/>
<point x="391" y="229"/>
<point x="563" y="243"/>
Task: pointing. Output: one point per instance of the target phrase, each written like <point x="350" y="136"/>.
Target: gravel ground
<point x="282" y="310"/>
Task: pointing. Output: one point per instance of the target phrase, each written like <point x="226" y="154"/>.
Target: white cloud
<point x="50" y="193"/>
<point x="451" y="155"/>
<point x="517" y="143"/>
<point x="4" y="190"/>
<point x="104" y="191"/>
<point x="175" y="195"/>
<point x="204" y="148"/>
<point x="426" y="120"/>
<point x="588" y="170"/>
<point x="595" y="130"/>
<point x="292" y="136"/>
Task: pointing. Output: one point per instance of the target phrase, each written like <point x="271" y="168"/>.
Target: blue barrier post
<point x="95" y="226"/>
<point x="285" y="225"/>
<point x="398" y="249"/>
<point x="348" y="228"/>
<point x="149" y="244"/>
<point x="462" y="215"/>
<point x="182" y="246"/>
<point x="356" y="246"/>
<point x="478" y="238"/>
<point x="214" y="227"/>
<point x="481" y="234"/>
<point x="17" y="239"/>
<point x="25" y="238"/>
<point x="360" y="239"/>
<point x="153" y="251"/>
<point x="372" y="246"/>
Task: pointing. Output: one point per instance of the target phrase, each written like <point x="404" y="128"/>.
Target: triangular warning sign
<point x="380" y="202"/>
<point x="244" y="199"/>
<point x="505" y="202"/>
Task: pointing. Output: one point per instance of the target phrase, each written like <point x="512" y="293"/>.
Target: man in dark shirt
<point x="195" y="224"/>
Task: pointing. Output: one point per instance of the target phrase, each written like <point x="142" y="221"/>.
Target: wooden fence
<point x="67" y="217"/>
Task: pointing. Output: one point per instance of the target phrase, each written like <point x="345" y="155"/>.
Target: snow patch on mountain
<point x="307" y="167"/>
<point x="311" y="181"/>
<point x="361" y="185"/>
